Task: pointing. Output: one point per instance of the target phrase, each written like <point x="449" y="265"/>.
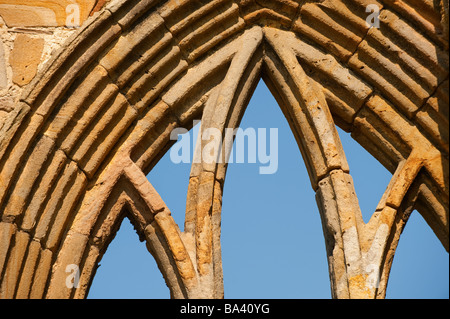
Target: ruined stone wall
<point x="90" y="92"/>
<point x="30" y="31"/>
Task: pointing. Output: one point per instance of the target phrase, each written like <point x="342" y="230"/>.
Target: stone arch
<point x="75" y="151"/>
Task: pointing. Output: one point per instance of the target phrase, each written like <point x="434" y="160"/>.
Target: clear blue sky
<point x="272" y="239"/>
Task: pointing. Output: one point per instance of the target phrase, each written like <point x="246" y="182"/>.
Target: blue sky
<point x="272" y="239"/>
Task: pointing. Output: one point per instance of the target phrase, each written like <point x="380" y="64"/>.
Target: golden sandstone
<point x="91" y="91"/>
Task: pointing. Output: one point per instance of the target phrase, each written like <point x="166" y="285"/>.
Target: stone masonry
<point x="90" y="91"/>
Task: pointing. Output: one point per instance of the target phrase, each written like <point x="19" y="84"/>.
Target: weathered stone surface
<point x="35" y="13"/>
<point x="3" y="74"/>
<point x="25" y="58"/>
<point x="6" y="104"/>
<point x="11" y="276"/>
<point x="79" y="134"/>
<point x="41" y="275"/>
<point x="26" y="277"/>
<point x="7" y="231"/>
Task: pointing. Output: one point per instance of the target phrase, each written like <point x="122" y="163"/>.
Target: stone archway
<point x="74" y="153"/>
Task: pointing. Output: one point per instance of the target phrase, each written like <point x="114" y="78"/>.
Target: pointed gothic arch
<point x="75" y="152"/>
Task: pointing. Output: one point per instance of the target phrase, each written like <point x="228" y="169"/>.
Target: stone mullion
<point x="389" y="248"/>
<point x="333" y="240"/>
<point x="164" y="239"/>
<point x="204" y="211"/>
<point x="341" y="211"/>
<point x="164" y="224"/>
<point x="377" y="240"/>
<point x="104" y="229"/>
<point x="383" y="230"/>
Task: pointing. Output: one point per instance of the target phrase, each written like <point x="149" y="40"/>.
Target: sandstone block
<point x="7" y="231"/>
<point x="6" y="103"/>
<point x="26" y="277"/>
<point x="11" y="275"/>
<point x="25" y="58"/>
<point x="71" y="255"/>
<point x="41" y="274"/>
<point x="3" y="74"/>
